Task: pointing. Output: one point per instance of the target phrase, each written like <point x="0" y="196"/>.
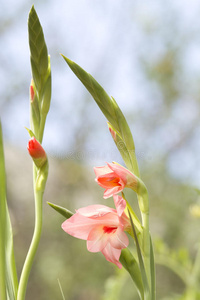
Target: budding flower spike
<point x="114" y="178"/>
<point x="103" y="228"/>
<point x="37" y="152"/>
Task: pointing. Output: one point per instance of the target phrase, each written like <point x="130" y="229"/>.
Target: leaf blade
<point x="8" y="267"/>
<point x="61" y="210"/>
<point x="111" y="111"/>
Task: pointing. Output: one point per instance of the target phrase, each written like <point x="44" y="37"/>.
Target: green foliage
<point x="38" y="50"/>
<point x="8" y="273"/>
<point x="113" y="114"/>
<point x="61" y="210"/>
<point x="131" y="265"/>
<point x="41" y="73"/>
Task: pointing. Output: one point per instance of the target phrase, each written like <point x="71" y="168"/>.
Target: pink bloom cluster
<point x="101" y="226"/>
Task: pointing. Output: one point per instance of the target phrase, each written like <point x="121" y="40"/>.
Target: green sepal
<point x="41" y="73"/>
<point x="38" y="49"/>
<point x="30" y="132"/>
<point x="42" y="175"/>
<point x="111" y="110"/>
<point x="125" y="153"/>
<point x="46" y="91"/>
<point x="135" y="218"/>
<point x="34" y="110"/>
<point x="131" y="265"/>
<point x="61" y="210"/>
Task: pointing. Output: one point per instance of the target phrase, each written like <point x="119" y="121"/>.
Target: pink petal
<point x="110" y="192"/>
<point x="111" y="254"/>
<point x="96" y="240"/>
<point x="120" y="204"/>
<point x="128" y="178"/>
<point x="99" y="171"/>
<point x="119" y="239"/>
<point x="78" y="226"/>
<point x="93" y="211"/>
<point x="109" y="180"/>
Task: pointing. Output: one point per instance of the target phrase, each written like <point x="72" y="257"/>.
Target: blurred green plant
<point x="40" y="95"/>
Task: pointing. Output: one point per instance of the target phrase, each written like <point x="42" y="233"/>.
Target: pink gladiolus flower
<point x="103" y="228"/>
<point x="37" y="152"/>
<point x="114" y="178"/>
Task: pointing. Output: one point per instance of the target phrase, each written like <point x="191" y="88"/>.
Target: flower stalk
<point x="113" y="178"/>
<point x="3" y="292"/>
<point x="40" y="174"/>
<point x="40" y="96"/>
<point x="33" y="247"/>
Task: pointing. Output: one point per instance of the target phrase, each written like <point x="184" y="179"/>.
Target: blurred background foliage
<point x="146" y="55"/>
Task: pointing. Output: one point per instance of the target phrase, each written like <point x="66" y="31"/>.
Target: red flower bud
<point x="113" y="132"/>
<point x="32" y="92"/>
<point x="37" y="152"/>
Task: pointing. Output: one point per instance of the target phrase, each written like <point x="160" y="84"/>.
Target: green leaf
<point x="112" y="112"/>
<point x="141" y="262"/>
<point x="131" y="265"/>
<point x="11" y="276"/>
<point x="8" y="274"/>
<point x="63" y="211"/>
<point x="153" y="273"/>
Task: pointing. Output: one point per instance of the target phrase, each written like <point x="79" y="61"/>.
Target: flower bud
<point x="113" y="132"/>
<point x="37" y="152"/>
<point x="32" y="92"/>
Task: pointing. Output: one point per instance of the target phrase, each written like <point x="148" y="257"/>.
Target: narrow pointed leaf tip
<point x="38" y="48"/>
<point x="102" y="99"/>
<point x="111" y="111"/>
<point x="61" y="210"/>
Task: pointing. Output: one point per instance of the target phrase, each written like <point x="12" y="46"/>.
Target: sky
<point x="115" y="41"/>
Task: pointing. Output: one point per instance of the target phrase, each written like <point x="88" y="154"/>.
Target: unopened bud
<point x="112" y="131"/>
<point x="32" y="92"/>
<point x="37" y="152"/>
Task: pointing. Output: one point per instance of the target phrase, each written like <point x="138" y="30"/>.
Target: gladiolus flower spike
<point x="102" y="227"/>
<point x="114" y="178"/>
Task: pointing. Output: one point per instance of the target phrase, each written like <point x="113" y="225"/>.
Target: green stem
<point x="2" y="253"/>
<point x="3" y="295"/>
<point x="144" y="208"/>
<point x="146" y="245"/>
<point x="34" y="243"/>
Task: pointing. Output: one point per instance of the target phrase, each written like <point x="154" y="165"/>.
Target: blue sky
<point x="111" y="40"/>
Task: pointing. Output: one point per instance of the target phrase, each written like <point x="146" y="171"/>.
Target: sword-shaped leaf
<point x="112" y="112"/>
